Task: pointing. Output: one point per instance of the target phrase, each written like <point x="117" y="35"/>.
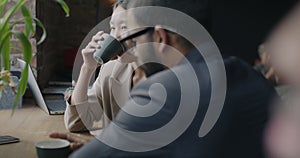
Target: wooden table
<point x="31" y="125"/>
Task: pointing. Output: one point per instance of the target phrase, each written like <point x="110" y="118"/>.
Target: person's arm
<point x="88" y="68"/>
<point x="82" y="96"/>
<point x="91" y="111"/>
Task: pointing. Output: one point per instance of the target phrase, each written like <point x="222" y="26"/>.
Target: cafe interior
<point x="239" y="28"/>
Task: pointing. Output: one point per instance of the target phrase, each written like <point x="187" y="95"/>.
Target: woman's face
<point x="118" y="22"/>
<point x="118" y="26"/>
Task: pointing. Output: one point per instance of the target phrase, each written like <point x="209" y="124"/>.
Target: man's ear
<point x="161" y="37"/>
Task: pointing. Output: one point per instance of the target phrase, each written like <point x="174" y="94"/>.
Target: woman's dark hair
<point x="122" y="3"/>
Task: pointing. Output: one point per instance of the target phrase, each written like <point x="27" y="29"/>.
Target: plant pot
<point x="8" y="97"/>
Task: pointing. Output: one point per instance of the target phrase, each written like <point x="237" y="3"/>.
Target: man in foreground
<point x="176" y="112"/>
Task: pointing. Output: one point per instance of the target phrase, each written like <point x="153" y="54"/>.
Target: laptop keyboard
<point x="56" y="105"/>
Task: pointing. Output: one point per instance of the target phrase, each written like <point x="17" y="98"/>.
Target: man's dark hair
<point x="197" y="9"/>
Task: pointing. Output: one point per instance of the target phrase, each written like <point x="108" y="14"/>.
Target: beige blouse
<point x="108" y="93"/>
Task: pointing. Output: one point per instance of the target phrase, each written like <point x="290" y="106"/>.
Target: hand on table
<point x="76" y="140"/>
<point x="69" y="91"/>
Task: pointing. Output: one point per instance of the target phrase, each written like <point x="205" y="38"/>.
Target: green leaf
<point x="5" y="49"/>
<point x="25" y="11"/>
<point x="3" y="2"/>
<point x="3" y="38"/>
<point x="40" y="24"/>
<point x="27" y="49"/>
<point x="22" y="85"/>
<point x="28" y="20"/>
<point x="10" y="13"/>
<point x="65" y="7"/>
<point x="2" y="6"/>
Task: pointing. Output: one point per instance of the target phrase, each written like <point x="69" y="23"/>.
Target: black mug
<point x="110" y="48"/>
<point x="53" y="148"/>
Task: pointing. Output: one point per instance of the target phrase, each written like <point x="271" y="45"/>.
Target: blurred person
<point x="262" y="63"/>
<point x="283" y="132"/>
<point x="264" y="66"/>
<point x="284" y="45"/>
<point x="282" y="136"/>
<point x="100" y="104"/>
<point x="239" y="128"/>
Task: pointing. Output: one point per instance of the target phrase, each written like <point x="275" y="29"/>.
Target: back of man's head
<point x="197" y="9"/>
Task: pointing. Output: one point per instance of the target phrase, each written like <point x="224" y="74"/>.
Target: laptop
<point x="52" y="102"/>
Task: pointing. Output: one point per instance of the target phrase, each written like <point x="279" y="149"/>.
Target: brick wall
<point x="64" y="34"/>
<point x="15" y="53"/>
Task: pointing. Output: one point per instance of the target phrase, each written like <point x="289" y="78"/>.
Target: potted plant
<point x="24" y="36"/>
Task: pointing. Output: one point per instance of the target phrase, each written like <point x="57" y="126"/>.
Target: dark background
<point x="237" y="26"/>
<point x="240" y="26"/>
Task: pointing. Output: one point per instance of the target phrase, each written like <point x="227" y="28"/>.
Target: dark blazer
<point x="237" y="133"/>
